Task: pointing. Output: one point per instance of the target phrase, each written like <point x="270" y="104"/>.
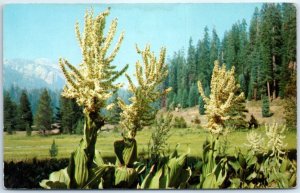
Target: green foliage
<point x="159" y="137"/>
<point x="71" y="114"/>
<point x="79" y="127"/>
<point x="28" y="130"/>
<point x="126" y="152"/>
<point x="290" y="105"/>
<point x="184" y="99"/>
<point x="43" y="116"/>
<point x="266" y="107"/>
<point x="247" y="171"/>
<point x="201" y="106"/>
<point x="213" y="171"/>
<point x="193" y="95"/>
<point x="261" y="55"/>
<point x="25" y="114"/>
<point x="170" y="172"/>
<point x="53" y="149"/>
<point x="237" y="115"/>
<point x="179" y="122"/>
<point x="10" y="114"/>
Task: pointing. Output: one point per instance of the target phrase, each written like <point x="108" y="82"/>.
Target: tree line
<point x="67" y="115"/>
<point x="263" y="54"/>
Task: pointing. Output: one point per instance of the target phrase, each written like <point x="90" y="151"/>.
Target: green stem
<point x="93" y="123"/>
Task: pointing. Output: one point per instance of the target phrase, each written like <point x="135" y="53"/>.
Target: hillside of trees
<point x="262" y="52"/>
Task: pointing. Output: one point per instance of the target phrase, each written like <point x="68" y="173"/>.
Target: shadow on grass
<point x="27" y="174"/>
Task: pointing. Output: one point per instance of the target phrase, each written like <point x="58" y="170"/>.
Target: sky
<point x="32" y="31"/>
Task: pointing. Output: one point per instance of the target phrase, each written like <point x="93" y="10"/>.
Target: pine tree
<point x="191" y="63"/>
<point x="184" y="99"/>
<point x="173" y="69"/>
<point x="266" y="107"/>
<point x="26" y="118"/>
<point x="203" y="60"/>
<point x="10" y="114"/>
<point x="290" y="105"/>
<point x="67" y="115"/>
<point x="214" y="49"/>
<point x="201" y="106"/>
<point x="44" y="114"/>
<point x="289" y="36"/>
<point x="171" y="100"/>
<point x="237" y="113"/>
<point x="71" y="113"/>
<point x="271" y="42"/>
<point x="193" y="95"/>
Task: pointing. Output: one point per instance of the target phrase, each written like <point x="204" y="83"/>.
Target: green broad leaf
<point x="175" y="152"/>
<point x="139" y="167"/>
<point x="251" y="161"/>
<point x="251" y="185"/>
<point x="283" y="166"/>
<point x="57" y="180"/>
<point x="235" y="165"/>
<point x="252" y="176"/>
<point x="175" y="166"/>
<point x="151" y="181"/>
<point x="210" y="182"/>
<point x="98" y="160"/>
<point x="165" y="177"/>
<point x="282" y="180"/>
<point x="221" y="177"/>
<point x="242" y="160"/>
<point x="97" y="174"/>
<point x="126" y="151"/>
<point x="235" y="183"/>
<point x="81" y="173"/>
<point x="125" y="177"/>
<point x="292" y="181"/>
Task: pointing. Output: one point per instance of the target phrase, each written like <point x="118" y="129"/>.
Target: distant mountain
<point x="32" y="74"/>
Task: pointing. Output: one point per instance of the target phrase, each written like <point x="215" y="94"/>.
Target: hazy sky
<point x="47" y="30"/>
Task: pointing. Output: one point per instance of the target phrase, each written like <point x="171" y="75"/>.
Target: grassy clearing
<point x="20" y="147"/>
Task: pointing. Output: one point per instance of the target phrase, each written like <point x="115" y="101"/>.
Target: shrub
<point x="196" y="120"/>
<point x="53" y="149"/>
<point x="159" y="137"/>
<point x="28" y="130"/>
<point x="179" y="122"/>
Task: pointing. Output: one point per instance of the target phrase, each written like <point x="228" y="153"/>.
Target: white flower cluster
<point x="221" y="99"/>
<point x="275" y="137"/>
<point x="255" y="142"/>
<point x="149" y="76"/>
<point x="92" y="83"/>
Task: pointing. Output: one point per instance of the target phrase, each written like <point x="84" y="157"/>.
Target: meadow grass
<point x="20" y="147"/>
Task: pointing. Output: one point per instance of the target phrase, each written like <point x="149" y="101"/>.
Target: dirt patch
<point x="254" y="107"/>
